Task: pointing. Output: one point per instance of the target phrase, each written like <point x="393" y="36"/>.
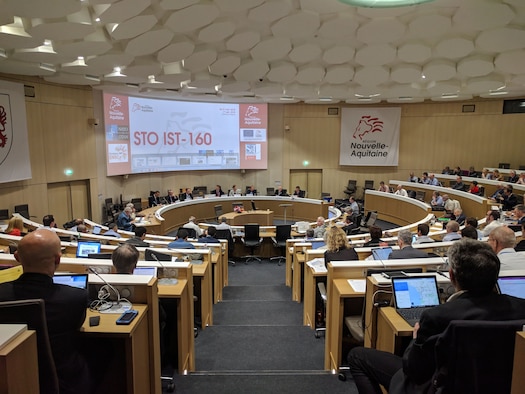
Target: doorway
<point x="310" y="181"/>
<point x="69" y="200"/>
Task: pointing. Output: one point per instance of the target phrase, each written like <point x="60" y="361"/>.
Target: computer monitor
<point x="150" y="271"/>
<point x="512" y="285"/>
<point x="96" y="230"/>
<point x="73" y="280"/>
<point x="84" y="248"/>
<point x="317" y="244"/>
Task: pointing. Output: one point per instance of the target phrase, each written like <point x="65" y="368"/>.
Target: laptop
<point x="413" y="295"/>
<point x="96" y="230"/>
<point x="317" y="244"/>
<point x="73" y="280"/>
<point x="381" y="253"/>
<point x="512" y="285"/>
<point x="84" y="248"/>
<point x="150" y="271"/>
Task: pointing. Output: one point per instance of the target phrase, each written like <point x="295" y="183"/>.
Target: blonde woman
<point x="337" y="246"/>
<point x="15" y="226"/>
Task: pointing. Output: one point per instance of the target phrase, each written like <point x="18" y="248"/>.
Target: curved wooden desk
<point x="263" y="218"/>
<point x="396" y="209"/>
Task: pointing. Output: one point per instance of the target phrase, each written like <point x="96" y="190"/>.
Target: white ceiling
<point x="316" y="51"/>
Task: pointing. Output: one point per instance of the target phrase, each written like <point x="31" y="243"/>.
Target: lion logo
<point x="368" y="124"/>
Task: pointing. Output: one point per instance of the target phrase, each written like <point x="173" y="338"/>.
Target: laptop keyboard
<point x="411" y="315"/>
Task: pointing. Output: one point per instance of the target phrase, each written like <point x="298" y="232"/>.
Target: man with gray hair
<point x="191" y="224"/>
<point x="124" y="220"/>
<point x="406" y="251"/>
<point x="502" y="240"/>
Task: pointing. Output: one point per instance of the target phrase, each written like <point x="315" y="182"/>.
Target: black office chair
<point x="252" y="240"/>
<point x="22" y="210"/>
<point x="505" y="166"/>
<point x="137" y="203"/>
<point x="369" y="184"/>
<point x="351" y="188"/>
<point x="4" y="214"/>
<point x="270" y="191"/>
<point x="192" y="233"/>
<point x="283" y="232"/>
<point x="476" y="356"/>
<point x="227" y="235"/>
<point x="32" y="313"/>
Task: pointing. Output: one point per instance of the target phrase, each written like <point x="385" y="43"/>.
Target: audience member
<point x="320" y="228"/>
<point x="458" y="216"/>
<point x="171" y="197"/>
<point x="65" y="306"/>
<point x="154" y="199"/>
<point x="113" y="231"/>
<point x="298" y="192"/>
<point x="349" y="224"/>
<point x="474" y="188"/>
<point x="309" y="234"/>
<point x="450" y="204"/>
<point x="209" y="238"/>
<point x="502" y="240"/>
<point x="280" y="191"/>
<point x="518" y="213"/>
<point x="496" y="176"/>
<point x="425" y="179"/>
<point x="508" y="200"/>
<point x="251" y="191"/>
<point x="498" y="193"/>
<point x="473" y="222"/>
<point x="72" y="224"/>
<point x="452" y="229"/>
<point x="474" y="269"/>
<point x="437" y="201"/>
<point x="353" y="208"/>
<point x="486" y="174"/>
<point x="513" y="177"/>
<point x="49" y="221"/>
<point x="520" y="246"/>
<point x="375" y="237"/>
<point x="234" y="191"/>
<point x="459" y="185"/>
<point x="133" y="210"/>
<point x="406" y="251"/>
<point x="433" y="181"/>
<point x="457" y="171"/>
<point x="383" y="187"/>
<point x="191" y="224"/>
<point x="125" y="258"/>
<point x="338" y="247"/>
<point x="469" y="232"/>
<point x="138" y="239"/>
<point x="472" y="172"/>
<point x="15" y="226"/>
<point x="81" y="228"/>
<point x="187" y="194"/>
<point x="181" y="240"/>
<point x="422" y="234"/>
<point x="224" y="225"/>
<point x="521" y="179"/>
<point x="400" y="191"/>
<point x="491" y="222"/>
<point x="446" y="171"/>
<point x="124" y="221"/>
<point x="218" y="191"/>
<point x="413" y="178"/>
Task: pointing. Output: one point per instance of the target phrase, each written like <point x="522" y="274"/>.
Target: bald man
<point x="39" y="254"/>
<point x="502" y="241"/>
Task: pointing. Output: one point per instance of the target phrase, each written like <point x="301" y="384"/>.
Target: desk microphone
<point x="164" y="281"/>
<point x="102" y="303"/>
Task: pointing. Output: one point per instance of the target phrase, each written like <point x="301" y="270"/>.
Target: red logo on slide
<point x="115" y="103"/>
<point x="3" y="123"/>
<point x="368" y="124"/>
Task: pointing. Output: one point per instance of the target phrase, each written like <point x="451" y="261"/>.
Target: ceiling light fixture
<point x="383" y="3"/>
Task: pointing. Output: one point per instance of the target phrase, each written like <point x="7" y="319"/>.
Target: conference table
<point x="260" y="217"/>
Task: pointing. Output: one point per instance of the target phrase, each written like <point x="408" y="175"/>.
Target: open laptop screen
<point x="84" y="248"/>
<point x="381" y="253"/>
<point x="151" y="271"/>
<point x="512" y="285"/>
<point x="317" y="244"/>
<point x="415" y="291"/>
<point x="73" y="280"/>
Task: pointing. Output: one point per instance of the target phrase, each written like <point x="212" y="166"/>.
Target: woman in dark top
<point x="337" y="246"/>
<point x="375" y="237"/>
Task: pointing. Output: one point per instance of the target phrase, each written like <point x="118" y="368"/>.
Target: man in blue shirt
<point x="210" y="236"/>
<point x="181" y="241"/>
<point x="124" y="220"/>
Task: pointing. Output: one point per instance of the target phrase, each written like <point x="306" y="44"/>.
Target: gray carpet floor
<point x="258" y="343"/>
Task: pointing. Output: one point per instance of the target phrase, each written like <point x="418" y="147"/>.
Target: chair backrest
<point x="32" y="313"/>
<point x="372" y="219"/>
<point x="283" y="232"/>
<point x="420" y="195"/>
<point x="218" y="210"/>
<point x="227" y="235"/>
<point x="22" y="210"/>
<point x="504" y="165"/>
<point x="192" y="233"/>
<point x="4" y="214"/>
<point x="369" y="184"/>
<point x="476" y="356"/>
<point x="270" y="191"/>
<point x="137" y="203"/>
<point x="251" y="232"/>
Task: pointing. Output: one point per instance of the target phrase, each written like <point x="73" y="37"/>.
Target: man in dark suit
<point x="474" y="270"/>
<point x="508" y="199"/>
<point x="406" y="251"/>
<point x="171" y="198"/>
<point x="65" y="306"/>
<point x="154" y="199"/>
<point x="187" y="195"/>
<point x="138" y="239"/>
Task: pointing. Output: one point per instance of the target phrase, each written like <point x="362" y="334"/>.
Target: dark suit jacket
<point x="137" y="242"/>
<point x="418" y="359"/>
<point x="408" y="252"/>
<point x="171" y="199"/>
<point x="340" y="255"/>
<point x="65" y="312"/>
<point x="154" y="201"/>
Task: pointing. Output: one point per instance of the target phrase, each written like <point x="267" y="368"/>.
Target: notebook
<point x="512" y="285"/>
<point x="381" y="253"/>
<point x="413" y="295"/>
<point x="73" y="280"/>
<point x="151" y="271"/>
<point x="84" y="248"/>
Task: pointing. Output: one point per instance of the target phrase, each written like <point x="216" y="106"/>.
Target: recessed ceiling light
<point x="383" y="3"/>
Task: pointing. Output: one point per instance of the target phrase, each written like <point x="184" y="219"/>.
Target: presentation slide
<point x="150" y="135"/>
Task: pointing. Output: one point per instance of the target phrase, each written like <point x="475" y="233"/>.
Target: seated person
<point x="383" y="187"/>
<point x="491" y="222"/>
<point x="452" y="231"/>
<point x="234" y="191"/>
<point x="498" y="193"/>
<point x="521" y="179"/>
<point x="349" y="224"/>
<point x="125" y="258"/>
<point x="209" y="237"/>
<point x="187" y="194"/>
<point x="309" y="234"/>
<point x="320" y="228"/>
<point x="154" y="199"/>
<point x="458" y="216"/>
<point x="65" y="306"/>
<point x="15" y="226"/>
<point x="496" y="175"/>
<point x="472" y="172"/>
<point x="503" y="240"/>
<point x="446" y="171"/>
<point x="171" y="197"/>
<point x="413" y="178"/>
<point x="138" y="239"/>
<point x="513" y="177"/>
<point x="459" y="183"/>
<point x="251" y="191"/>
<point x="400" y="191"/>
<point x="375" y="237"/>
<point x="338" y="247"/>
<point x="218" y="191"/>
<point x="298" y="192"/>
<point x="457" y="171"/>
<point x="473" y="222"/>
<point x="437" y="202"/>
<point x="469" y="232"/>
<point x="422" y="234"/>
<point x="406" y="251"/>
<point x="113" y="231"/>
<point x="450" y="204"/>
<point x="280" y="191"/>
<point x="191" y="224"/>
<point x="486" y="174"/>
<point x="508" y="199"/>
<point x="474" y="188"/>
<point x="72" y="225"/>
<point x="181" y="241"/>
<point x="124" y="220"/>
<point x="49" y="222"/>
<point x="520" y="246"/>
<point x="224" y="225"/>
<point x="474" y="270"/>
<point x="353" y="208"/>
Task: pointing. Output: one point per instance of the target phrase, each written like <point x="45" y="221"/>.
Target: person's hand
<point x="414" y="333"/>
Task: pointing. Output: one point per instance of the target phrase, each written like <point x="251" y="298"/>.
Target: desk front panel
<point x="399" y="211"/>
<point x="19" y="365"/>
<point x="262" y="218"/>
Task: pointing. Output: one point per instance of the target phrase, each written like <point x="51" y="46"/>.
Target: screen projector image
<point x="151" y="135"/>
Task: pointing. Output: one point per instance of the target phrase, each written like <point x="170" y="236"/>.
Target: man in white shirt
<point x="502" y="241"/>
<point x="191" y="224"/>
<point x="491" y="222"/>
<point x="450" y="204"/>
<point x="422" y="234"/>
<point x="452" y="231"/>
<point x="224" y="225"/>
<point x="400" y="191"/>
<point x="353" y="208"/>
